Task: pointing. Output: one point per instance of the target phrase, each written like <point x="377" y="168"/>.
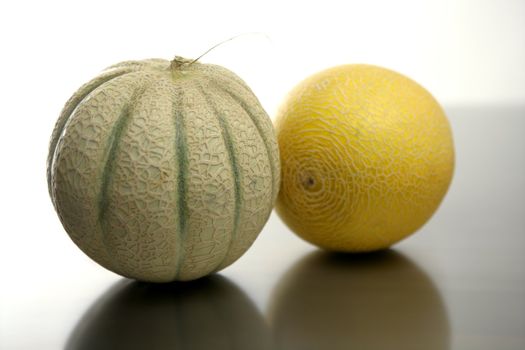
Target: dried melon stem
<point x="179" y="61"/>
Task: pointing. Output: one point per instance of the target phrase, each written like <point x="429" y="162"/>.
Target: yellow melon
<point x="367" y="156"/>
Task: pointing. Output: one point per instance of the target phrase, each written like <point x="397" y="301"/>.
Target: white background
<point x="464" y="52"/>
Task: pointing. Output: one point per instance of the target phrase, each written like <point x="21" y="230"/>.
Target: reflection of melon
<point x="378" y="301"/>
<point x="164" y="170"/>
<point x="210" y="313"/>
<point x="366" y="157"/>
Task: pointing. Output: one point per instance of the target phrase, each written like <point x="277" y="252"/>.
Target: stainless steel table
<point x="459" y="283"/>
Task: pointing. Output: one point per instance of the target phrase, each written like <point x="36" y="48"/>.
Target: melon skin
<point x="163" y="170"/>
<point x="367" y="157"/>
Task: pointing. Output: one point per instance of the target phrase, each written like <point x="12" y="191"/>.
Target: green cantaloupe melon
<point x="163" y="170"/>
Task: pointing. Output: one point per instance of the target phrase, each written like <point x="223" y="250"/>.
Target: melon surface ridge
<point x="163" y="170"/>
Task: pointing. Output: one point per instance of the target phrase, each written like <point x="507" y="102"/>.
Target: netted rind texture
<point x="163" y="172"/>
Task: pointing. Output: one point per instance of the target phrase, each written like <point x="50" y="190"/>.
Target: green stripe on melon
<point x="182" y="158"/>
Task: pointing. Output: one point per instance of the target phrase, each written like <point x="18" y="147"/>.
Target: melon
<point x="367" y="156"/>
<point x="163" y="170"/>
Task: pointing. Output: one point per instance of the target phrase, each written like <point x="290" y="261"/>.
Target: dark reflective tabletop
<point x="459" y="283"/>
